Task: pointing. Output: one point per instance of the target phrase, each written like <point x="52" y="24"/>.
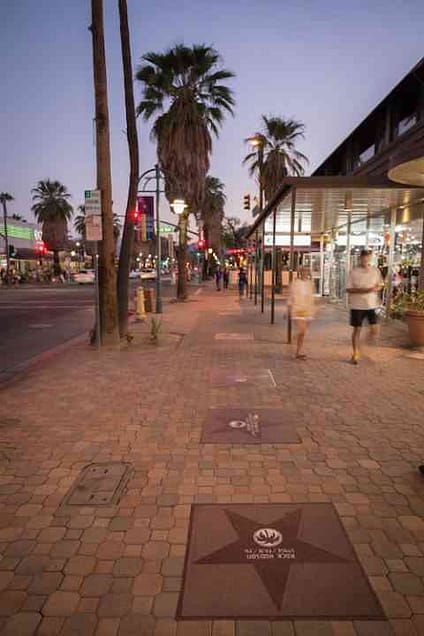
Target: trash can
<point x="149" y="300"/>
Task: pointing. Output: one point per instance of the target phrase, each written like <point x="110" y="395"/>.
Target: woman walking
<point x="301" y="305"/>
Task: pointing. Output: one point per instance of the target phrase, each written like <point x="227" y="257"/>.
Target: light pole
<point x="257" y="141"/>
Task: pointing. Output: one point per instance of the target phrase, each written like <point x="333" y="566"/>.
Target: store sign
<point x="283" y="240"/>
<point x="17" y="231"/>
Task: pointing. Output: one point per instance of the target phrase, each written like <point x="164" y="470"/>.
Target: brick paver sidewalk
<point x="117" y="569"/>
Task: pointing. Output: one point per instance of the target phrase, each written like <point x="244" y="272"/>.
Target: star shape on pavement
<point x="273" y="571"/>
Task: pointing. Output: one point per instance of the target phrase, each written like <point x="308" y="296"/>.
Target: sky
<point x="326" y="63"/>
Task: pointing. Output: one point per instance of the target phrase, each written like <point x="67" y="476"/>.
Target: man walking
<point x="363" y="286"/>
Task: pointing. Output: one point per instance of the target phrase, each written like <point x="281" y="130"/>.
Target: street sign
<point x="92" y="202"/>
<point x="164" y="228"/>
<point x="93" y="228"/>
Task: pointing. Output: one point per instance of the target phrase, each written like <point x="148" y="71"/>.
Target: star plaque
<point x="273" y="561"/>
<point x="248" y="426"/>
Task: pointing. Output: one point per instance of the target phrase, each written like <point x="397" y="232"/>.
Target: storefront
<point x="26" y="248"/>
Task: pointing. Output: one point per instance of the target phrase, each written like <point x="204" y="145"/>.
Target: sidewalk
<point x="116" y="567"/>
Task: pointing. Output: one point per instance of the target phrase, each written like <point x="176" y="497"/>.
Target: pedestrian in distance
<point x="226" y="277"/>
<point x="242" y="282"/>
<point x="302" y="307"/>
<point x="364" y="285"/>
<point x="218" y="276"/>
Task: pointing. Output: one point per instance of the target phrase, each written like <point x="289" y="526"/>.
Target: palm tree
<point x="278" y="138"/>
<point x="212" y="212"/>
<point x="183" y="89"/>
<point x="52" y="209"/>
<point x="5" y="198"/>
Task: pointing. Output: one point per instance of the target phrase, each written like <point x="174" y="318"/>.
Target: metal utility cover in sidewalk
<point x="248" y="426"/>
<point x="99" y="484"/>
<point x="273" y="561"/>
<point x="219" y="377"/>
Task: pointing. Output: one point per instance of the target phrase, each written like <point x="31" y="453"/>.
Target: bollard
<point x="140" y="312"/>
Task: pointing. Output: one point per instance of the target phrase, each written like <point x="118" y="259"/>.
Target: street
<point x="36" y="319"/>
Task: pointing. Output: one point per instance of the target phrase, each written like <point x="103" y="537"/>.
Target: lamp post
<point x="258" y="142"/>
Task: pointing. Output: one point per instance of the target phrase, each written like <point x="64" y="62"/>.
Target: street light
<point x="178" y="206"/>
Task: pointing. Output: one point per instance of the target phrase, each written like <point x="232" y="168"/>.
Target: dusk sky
<point x="326" y="63"/>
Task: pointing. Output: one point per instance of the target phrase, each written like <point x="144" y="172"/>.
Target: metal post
<point x="347" y="264"/>
<point x="291" y="262"/>
<point x="158" y="245"/>
<point x="6" y="242"/>
<point x="389" y="285"/>
<point x="274" y="258"/>
<point x="250" y="274"/>
<point x="321" y="265"/>
<point x="421" y="275"/>
<point x="97" y="293"/>
<point x="263" y="269"/>
<point x="256" y="269"/>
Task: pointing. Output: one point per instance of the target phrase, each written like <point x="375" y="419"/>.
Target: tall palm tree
<point x="278" y="138"/>
<point x="183" y="88"/>
<point x="52" y="209"/>
<point x="212" y="212"/>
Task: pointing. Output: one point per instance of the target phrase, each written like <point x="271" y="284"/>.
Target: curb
<point x="19" y="370"/>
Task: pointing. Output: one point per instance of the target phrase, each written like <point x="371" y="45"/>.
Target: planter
<point x="415" y="322"/>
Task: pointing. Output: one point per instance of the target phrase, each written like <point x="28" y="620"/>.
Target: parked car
<point x="84" y="276"/>
<point x="148" y="274"/>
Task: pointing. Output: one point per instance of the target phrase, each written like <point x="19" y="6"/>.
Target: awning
<point x="324" y="203"/>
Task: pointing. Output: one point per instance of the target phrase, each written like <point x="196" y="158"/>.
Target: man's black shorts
<point x="357" y="317"/>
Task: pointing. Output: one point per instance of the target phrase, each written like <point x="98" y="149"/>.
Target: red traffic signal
<point x="135" y="216"/>
<point x="201" y="245"/>
<point x="41" y="248"/>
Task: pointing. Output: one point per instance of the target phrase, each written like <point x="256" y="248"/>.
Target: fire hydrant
<point x="140" y="312"/>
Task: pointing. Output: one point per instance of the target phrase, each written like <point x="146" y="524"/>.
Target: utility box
<point x="149" y="300"/>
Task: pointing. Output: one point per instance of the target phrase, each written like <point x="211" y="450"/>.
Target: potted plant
<point x="411" y="307"/>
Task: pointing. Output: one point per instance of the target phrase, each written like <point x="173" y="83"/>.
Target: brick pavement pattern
<point x="116" y="570"/>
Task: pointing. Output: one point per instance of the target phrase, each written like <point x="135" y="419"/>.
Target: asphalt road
<point x="33" y="320"/>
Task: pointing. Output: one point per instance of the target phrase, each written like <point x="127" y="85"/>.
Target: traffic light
<point x="136" y="217"/>
<point x="201" y="244"/>
<point x="12" y="251"/>
<point x="246" y="202"/>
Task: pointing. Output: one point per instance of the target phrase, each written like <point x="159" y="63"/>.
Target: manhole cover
<point x="248" y="426"/>
<point x="273" y="561"/>
<point x="258" y="377"/>
<point x="234" y="336"/>
<point x="99" y="484"/>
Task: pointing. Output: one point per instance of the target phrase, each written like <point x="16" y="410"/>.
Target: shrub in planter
<point x="411" y="308"/>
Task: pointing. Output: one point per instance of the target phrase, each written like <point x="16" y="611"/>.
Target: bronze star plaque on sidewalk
<point x="273" y="561"/>
<point x="248" y="426"/>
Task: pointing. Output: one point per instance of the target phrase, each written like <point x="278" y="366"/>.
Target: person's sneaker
<point x="354" y="360"/>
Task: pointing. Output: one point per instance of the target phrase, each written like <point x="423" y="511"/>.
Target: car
<point x="148" y="274"/>
<point x="84" y="276"/>
<point x="134" y="274"/>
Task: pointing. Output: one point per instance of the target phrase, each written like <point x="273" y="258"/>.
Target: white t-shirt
<point x="363" y="278"/>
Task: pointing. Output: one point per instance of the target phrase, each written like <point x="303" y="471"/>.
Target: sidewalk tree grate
<point x="273" y="561"/>
<point x="248" y="426"/>
<point x="220" y="377"/>
<point x="99" y="485"/>
<point x="234" y="336"/>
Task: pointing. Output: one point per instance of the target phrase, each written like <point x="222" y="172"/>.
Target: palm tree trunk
<point x="128" y="231"/>
<point x="56" y="263"/>
<point x="182" y="257"/>
<point x="107" y="275"/>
